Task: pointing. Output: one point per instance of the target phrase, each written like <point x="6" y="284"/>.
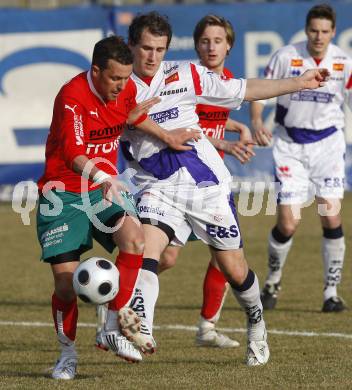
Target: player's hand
<point x="177" y="138"/>
<point x="314" y="78"/>
<point x="140" y="109"/>
<point x="262" y="135"/>
<point x="245" y="135"/>
<point x="242" y="151"/>
<point x="112" y="188"/>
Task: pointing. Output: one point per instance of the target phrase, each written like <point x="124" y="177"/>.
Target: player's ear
<point x="129" y="44"/>
<point x="95" y="70"/>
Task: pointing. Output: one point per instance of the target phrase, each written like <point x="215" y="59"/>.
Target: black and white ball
<point x="96" y="280"/>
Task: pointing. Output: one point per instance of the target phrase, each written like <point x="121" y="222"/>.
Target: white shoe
<point x="212" y="338"/>
<point x="116" y="342"/>
<point x="99" y="343"/>
<point x="257" y="347"/>
<point x="65" y="367"/>
<point x="257" y="353"/>
<point x="136" y="330"/>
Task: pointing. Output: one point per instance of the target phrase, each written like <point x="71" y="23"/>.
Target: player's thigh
<point x="232" y="263"/>
<point x="288" y="218"/>
<point x="291" y="173"/>
<point x="329" y="211"/>
<point x="156" y="240"/>
<point x="64" y="228"/>
<point x="130" y="236"/>
<point x="116" y="224"/>
<point x="168" y="257"/>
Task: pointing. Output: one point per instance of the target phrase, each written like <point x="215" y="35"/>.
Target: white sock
<point x="249" y="299"/>
<point x="68" y="350"/>
<point x="144" y="298"/>
<point x="101" y="311"/>
<point x="277" y="257"/>
<point x="111" y="320"/>
<point x="205" y="325"/>
<point x="333" y="251"/>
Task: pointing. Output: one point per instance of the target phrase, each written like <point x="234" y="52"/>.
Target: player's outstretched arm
<point x="261" y="134"/>
<point x="175" y="139"/>
<point x="258" y="89"/>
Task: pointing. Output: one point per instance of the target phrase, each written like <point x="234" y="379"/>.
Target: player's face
<point x="319" y="33"/>
<point x="112" y="80"/>
<point x="212" y="48"/>
<point x="148" y="54"/>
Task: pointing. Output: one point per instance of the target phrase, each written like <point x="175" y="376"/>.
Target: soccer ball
<point x="96" y="280"/>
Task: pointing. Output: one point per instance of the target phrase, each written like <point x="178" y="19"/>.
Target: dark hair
<point x="214" y="20"/>
<point x="155" y="23"/>
<point x="111" y="48"/>
<point x="321" y="11"/>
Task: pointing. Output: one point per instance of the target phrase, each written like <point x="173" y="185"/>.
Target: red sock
<point x="213" y="292"/>
<point x="128" y="265"/>
<point x="65" y="318"/>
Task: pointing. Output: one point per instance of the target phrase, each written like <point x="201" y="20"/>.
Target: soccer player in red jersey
<point x="81" y="198"/>
<point x="213" y="40"/>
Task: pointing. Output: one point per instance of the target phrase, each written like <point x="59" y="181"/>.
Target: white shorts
<point x="308" y="170"/>
<point x="209" y="212"/>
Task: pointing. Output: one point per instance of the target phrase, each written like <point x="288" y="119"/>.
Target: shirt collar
<point x="92" y="88"/>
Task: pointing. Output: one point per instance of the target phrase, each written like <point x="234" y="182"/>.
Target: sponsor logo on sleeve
<point x="296" y="62"/>
<point x="77" y="124"/>
<point x="295" y="72"/>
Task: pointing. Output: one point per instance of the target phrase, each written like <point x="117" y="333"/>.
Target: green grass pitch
<point x="297" y="361"/>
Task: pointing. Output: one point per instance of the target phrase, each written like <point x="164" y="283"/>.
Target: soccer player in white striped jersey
<point x="213" y="40"/>
<point x="309" y="149"/>
<point x="181" y="192"/>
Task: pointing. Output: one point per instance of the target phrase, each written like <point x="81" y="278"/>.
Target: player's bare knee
<point x="330" y="211"/>
<point x="130" y="240"/>
<point x="166" y="262"/>
<point x="238" y="276"/>
<point x="288" y="227"/>
<point x="134" y="244"/>
<point x="331" y="222"/>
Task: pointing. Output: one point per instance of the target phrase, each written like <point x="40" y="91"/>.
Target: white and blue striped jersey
<point x="181" y="86"/>
<point x="310" y="115"/>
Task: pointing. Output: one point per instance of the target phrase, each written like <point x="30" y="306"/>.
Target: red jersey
<point x="83" y="124"/>
<point x="212" y="119"/>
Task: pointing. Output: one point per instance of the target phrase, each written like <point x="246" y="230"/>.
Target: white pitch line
<point x="192" y="329"/>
